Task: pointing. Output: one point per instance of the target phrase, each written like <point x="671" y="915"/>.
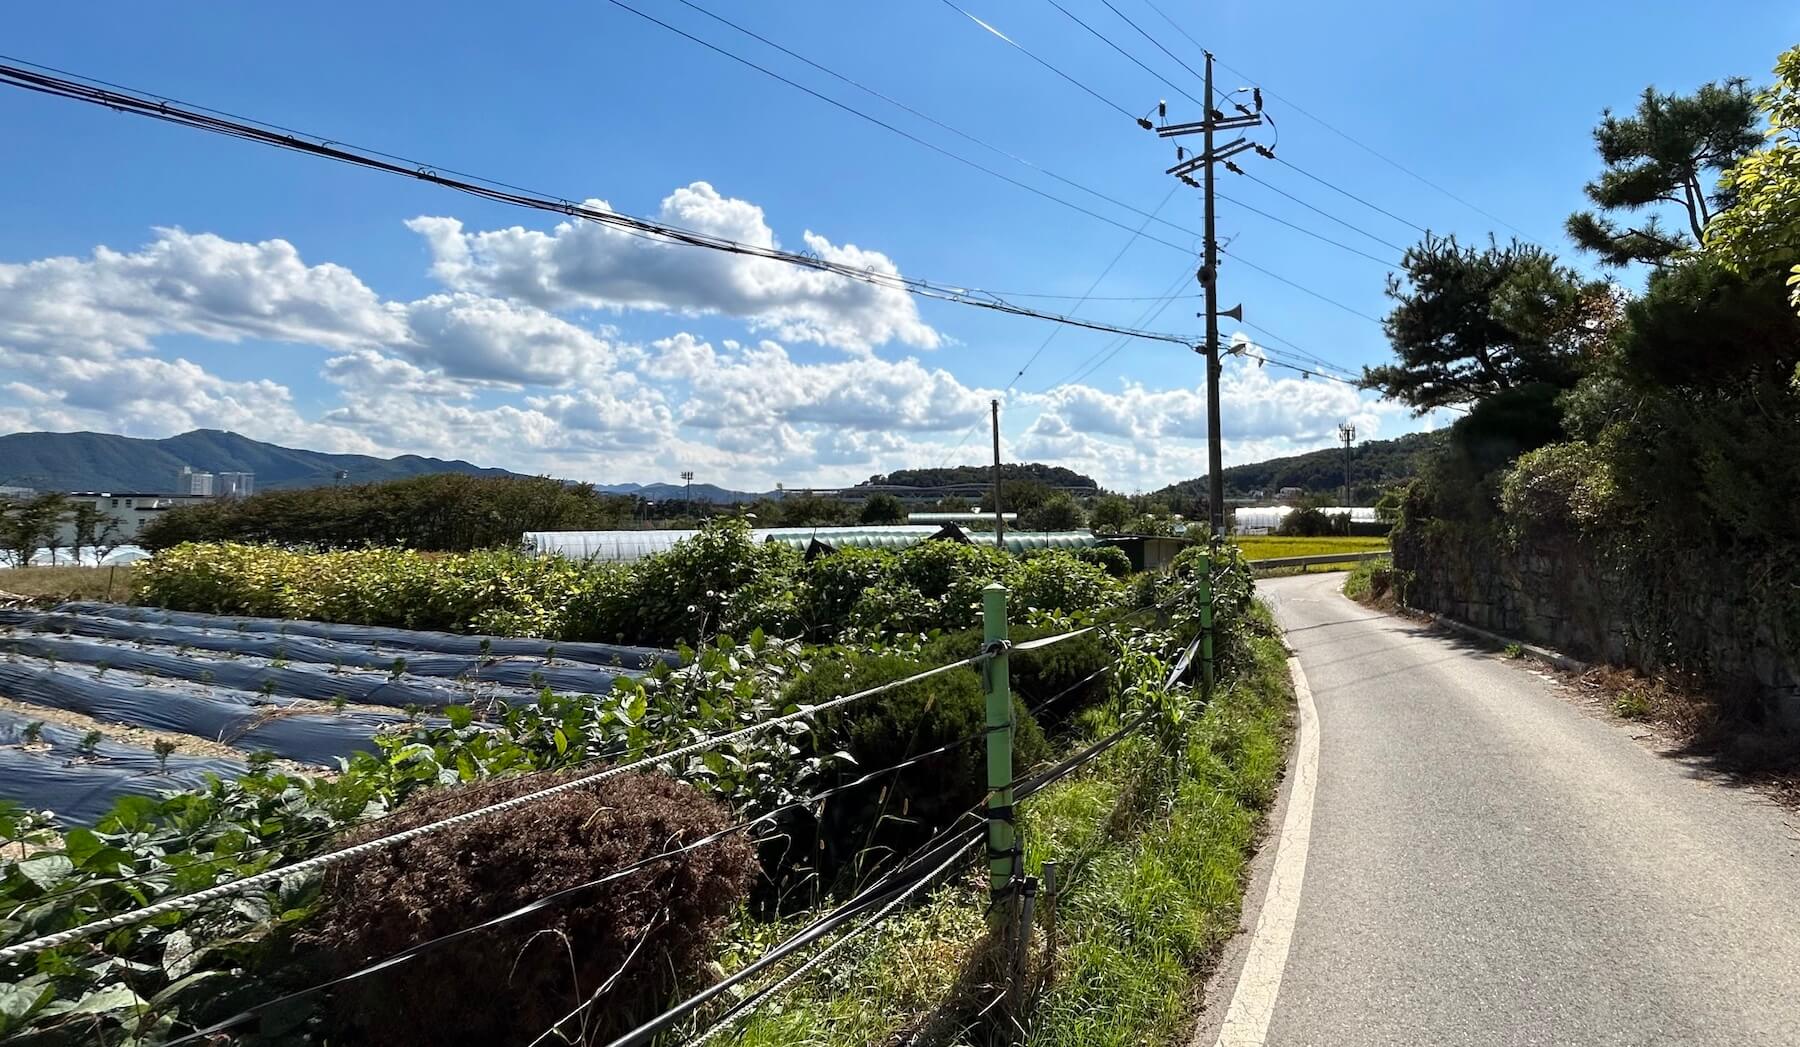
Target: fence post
<point x="1000" y="833"/>
<point x="1206" y="624"/>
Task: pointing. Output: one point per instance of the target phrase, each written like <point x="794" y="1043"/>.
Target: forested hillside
<point x="106" y="462"/>
<point x="1374" y="467"/>
<point x="1054" y="475"/>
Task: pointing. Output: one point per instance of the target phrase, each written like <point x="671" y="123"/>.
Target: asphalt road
<point x="1491" y="863"/>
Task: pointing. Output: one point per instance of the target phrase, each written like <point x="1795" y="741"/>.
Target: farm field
<point x="66" y="583"/>
<point x="1267" y="547"/>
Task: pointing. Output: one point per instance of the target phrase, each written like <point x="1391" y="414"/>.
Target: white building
<point x="234" y="485"/>
<point x="129" y="512"/>
<point x="192" y="482"/>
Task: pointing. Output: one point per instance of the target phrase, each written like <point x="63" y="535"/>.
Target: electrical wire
<point x="1340" y="189"/>
<point x="1103" y="38"/>
<point x="238" y="886"/>
<point x="549" y="900"/>
<point x="1359" y="143"/>
<point x="1113" y="346"/>
<point x="1102" y="99"/>
<point x="143" y="104"/>
<point x="1321" y="211"/>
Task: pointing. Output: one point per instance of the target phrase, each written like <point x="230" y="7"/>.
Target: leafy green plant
<point x="33" y="733"/>
<point x="89" y="746"/>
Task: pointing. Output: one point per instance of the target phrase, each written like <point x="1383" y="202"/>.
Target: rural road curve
<point x="1490" y="864"/>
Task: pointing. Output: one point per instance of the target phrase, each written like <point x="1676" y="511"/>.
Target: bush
<point x="1306" y="522"/>
<point x="1109" y="558"/>
<point x="1559" y="489"/>
<point x="670" y="912"/>
<point x="444" y="511"/>
<point x="1057" y="581"/>
<point x="898" y="725"/>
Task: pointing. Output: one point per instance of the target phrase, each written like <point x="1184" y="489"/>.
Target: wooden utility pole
<point x="1210" y="156"/>
<point x="999" y="519"/>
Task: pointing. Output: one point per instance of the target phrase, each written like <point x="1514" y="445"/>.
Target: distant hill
<point x="1374" y="466"/>
<point x="1054" y="475"/>
<point x="104" y="462"/>
<point x="679" y="492"/>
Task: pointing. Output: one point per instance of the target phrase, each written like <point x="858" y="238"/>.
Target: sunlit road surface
<point x="1491" y="863"/>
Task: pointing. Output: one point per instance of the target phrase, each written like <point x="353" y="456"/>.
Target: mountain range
<point x="105" y="462"/>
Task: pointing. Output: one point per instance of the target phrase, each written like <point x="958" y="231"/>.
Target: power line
<point x="1103" y="38"/>
<point x="1102" y="99"/>
<point x="143" y="104"/>
<point x="1300" y="287"/>
<point x="1150" y="216"/>
<point x="320" y="861"/>
<point x="1397" y="165"/>
<point x="1113" y="346"/>
<point x="1321" y="211"/>
<point x="1340" y="189"/>
<point x="546" y="901"/>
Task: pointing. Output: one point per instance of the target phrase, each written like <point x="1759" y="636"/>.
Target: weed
<point x="339" y="701"/>
<point x="1515" y="651"/>
<point x="260" y="761"/>
<point x="278" y="662"/>
<point x="398" y="669"/>
<point x="89" y="746"/>
<point x="206" y="676"/>
<point x="164" y="748"/>
<point x="34" y="732"/>
<point x="268" y="688"/>
<point x="1632" y="703"/>
<point x="100" y="670"/>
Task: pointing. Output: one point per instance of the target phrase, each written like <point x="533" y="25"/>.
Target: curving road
<point x="1489" y="863"/>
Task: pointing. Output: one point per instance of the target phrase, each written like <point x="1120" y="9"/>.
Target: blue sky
<point x="161" y="279"/>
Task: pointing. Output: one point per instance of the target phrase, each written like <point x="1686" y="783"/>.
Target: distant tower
<point x="193" y="482"/>
<point x="235" y="485"/>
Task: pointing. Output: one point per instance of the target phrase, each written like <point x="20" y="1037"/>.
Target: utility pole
<point x="1348" y="433"/>
<point x="1210" y="156"/>
<point x="999" y="519"/>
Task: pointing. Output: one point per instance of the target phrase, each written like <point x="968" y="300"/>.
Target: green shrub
<point x="1057" y="581"/>
<point x="898" y="725"/>
<point x="1564" y="488"/>
<point x="1109" y="558"/>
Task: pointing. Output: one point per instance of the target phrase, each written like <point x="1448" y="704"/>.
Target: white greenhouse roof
<point x="1253" y="518"/>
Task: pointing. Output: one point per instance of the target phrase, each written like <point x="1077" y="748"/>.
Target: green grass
<point x="68" y="583"/>
<point x="1370" y="581"/>
<point x="1154" y="861"/>
<point x="1268" y="547"/>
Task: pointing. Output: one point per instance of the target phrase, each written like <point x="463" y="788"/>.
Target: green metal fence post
<point x="1206" y="624"/>
<point x="1000" y="833"/>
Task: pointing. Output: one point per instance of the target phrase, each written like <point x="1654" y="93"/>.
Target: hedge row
<point x="721" y="580"/>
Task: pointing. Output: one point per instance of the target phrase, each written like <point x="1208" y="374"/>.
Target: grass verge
<point x="1371" y="582"/>
<point x="55" y="584"/>
<point x="1153" y="852"/>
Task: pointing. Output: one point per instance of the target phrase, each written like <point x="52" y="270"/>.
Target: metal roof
<point x="623" y="546"/>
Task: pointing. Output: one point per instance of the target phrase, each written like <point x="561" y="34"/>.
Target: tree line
<point x="1655" y="428"/>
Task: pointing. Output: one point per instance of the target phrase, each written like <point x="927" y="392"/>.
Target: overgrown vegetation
<point x="721" y="580"/>
<point x="156" y="980"/>
<point x="1651" y="435"/>
<point x="1151" y="840"/>
<point x="442" y="511"/>
<point x="56" y="584"/>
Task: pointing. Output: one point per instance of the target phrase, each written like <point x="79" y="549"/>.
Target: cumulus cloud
<point x="493" y="340"/>
<point x="762" y="385"/>
<point x="588" y="265"/>
<point x="186" y="283"/>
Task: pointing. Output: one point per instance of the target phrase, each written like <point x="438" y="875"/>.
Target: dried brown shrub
<point x="510" y="983"/>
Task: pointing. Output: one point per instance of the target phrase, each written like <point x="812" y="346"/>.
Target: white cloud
<point x="762" y="385"/>
<point x="492" y="340"/>
<point x="185" y="283"/>
<point x="583" y="264"/>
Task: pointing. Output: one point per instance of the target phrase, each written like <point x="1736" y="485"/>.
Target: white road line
<point x="1253" y="1002"/>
